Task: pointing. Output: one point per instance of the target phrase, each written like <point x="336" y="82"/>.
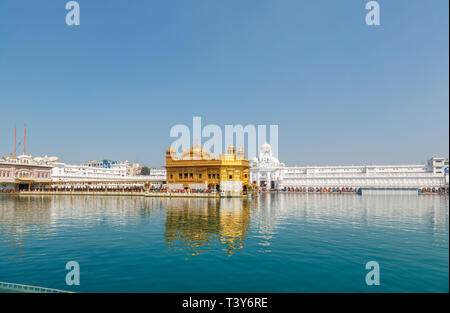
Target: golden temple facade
<point x="196" y="169"/>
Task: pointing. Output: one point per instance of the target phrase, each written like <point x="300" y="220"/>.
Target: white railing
<point x="29" y="289"/>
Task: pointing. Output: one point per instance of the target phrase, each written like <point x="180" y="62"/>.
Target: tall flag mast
<point x="24" y="137"/>
<point x="15" y="135"/>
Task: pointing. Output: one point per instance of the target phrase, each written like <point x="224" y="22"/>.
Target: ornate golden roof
<point x="231" y="149"/>
<point x="196" y="152"/>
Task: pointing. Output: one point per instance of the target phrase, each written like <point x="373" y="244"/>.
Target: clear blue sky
<point x="341" y="92"/>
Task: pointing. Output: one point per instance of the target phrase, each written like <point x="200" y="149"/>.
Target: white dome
<point x="265" y="149"/>
<point x="265" y="158"/>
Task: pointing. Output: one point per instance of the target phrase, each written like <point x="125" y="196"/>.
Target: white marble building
<point x="69" y="172"/>
<point x="97" y="171"/>
<point x="268" y="172"/>
<point x="158" y="174"/>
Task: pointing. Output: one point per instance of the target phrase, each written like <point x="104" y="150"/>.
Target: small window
<point x="199" y="175"/>
<point x="230" y="176"/>
<point x="214" y="175"/>
<point x="171" y="176"/>
<point x="209" y="175"/>
<point x="185" y="175"/>
<point x="180" y="175"/>
<point x="191" y="175"/>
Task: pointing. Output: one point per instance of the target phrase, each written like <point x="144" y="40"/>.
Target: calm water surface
<point x="277" y="243"/>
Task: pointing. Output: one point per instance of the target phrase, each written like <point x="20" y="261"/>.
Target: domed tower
<point x="196" y="151"/>
<point x="240" y="153"/>
<point x="231" y="149"/>
<point x="170" y="152"/>
<point x="265" y="149"/>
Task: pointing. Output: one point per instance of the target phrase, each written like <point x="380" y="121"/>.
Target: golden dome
<point x="196" y="152"/>
<point x="231" y="149"/>
<point x="171" y="151"/>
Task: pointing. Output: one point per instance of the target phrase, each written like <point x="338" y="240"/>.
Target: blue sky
<point x="341" y="92"/>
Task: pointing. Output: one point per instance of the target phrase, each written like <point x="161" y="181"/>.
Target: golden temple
<point x="197" y="169"/>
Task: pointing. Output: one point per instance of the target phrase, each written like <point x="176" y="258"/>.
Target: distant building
<point x="438" y="165"/>
<point x="22" y="172"/>
<point x="158" y="174"/>
<point x="102" y="171"/>
<point x="83" y="172"/>
<point x="100" y="163"/>
<point x="109" y="168"/>
<point x="133" y="169"/>
<point x="266" y="171"/>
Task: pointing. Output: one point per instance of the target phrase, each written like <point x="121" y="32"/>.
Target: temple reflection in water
<point x="196" y="225"/>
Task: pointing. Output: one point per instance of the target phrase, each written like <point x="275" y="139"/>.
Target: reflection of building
<point x="22" y="172"/>
<point x="277" y="209"/>
<point x="196" y="169"/>
<point x="234" y="223"/>
<point x="192" y="224"/>
<point x="267" y="171"/>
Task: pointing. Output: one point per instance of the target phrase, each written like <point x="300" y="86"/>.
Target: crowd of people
<point x="188" y="190"/>
<point x="162" y="189"/>
<point x="81" y="189"/>
<point x="323" y="189"/>
<point x="441" y="190"/>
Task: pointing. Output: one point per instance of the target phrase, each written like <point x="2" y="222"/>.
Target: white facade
<point x="267" y="171"/>
<point x="438" y="165"/>
<point x="95" y="171"/>
<point x="157" y="174"/>
<point x="66" y="172"/>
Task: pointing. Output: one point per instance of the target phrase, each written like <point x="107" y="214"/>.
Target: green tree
<point x="145" y="170"/>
